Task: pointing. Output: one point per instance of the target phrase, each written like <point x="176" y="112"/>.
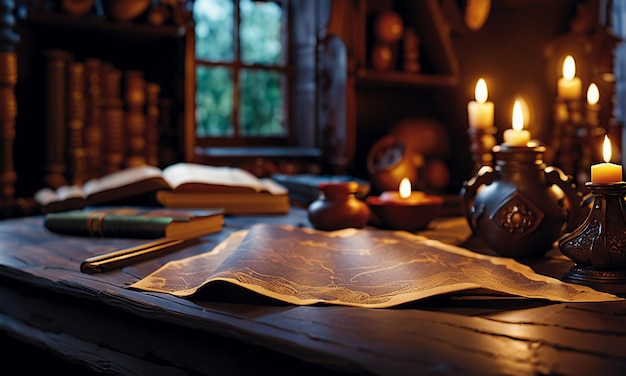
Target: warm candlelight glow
<point x="518" y="116"/>
<point x="480" y="92"/>
<point x="561" y="113"/>
<point x="404" y="195"/>
<point x="480" y="112"/>
<point x="405" y="188"/>
<point x="569" y="87"/>
<point x="517" y="136"/>
<point x="606" y="173"/>
<point x="569" y="67"/>
<point x="593" y="94"/>
<point x="606" y="149"/>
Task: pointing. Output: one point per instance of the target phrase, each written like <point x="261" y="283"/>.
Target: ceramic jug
<point x="337" y="207"/>
<point x="521" y="207"/>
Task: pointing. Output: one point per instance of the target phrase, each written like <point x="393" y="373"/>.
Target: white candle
<point x="480" y="111"/>
<point x="517" y="136"/>
<point x="606" y="173"/>
<point x="569" y="87"/>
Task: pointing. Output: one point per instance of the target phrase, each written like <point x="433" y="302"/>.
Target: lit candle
<point x="593" y="108"/>
<point x="404" y="195"/>
<point x="480" y="111"/>
<point x="569" y="87"/>
<point x="517" y="136"/>
<point x="606" y="173"/>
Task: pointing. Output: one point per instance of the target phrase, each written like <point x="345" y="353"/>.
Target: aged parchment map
<point x="364" y="268"/>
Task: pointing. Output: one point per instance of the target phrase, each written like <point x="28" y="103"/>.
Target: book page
<point x="273" y="187"/>
<point x="190" y="176"/>
<point x="70" y="191"/>
<point x="363" y="268"/>
<point x="46" y="195"/>
<point x="121" y="178"/>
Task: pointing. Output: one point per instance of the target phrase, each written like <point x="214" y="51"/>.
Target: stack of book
<point x="181" y="185"/>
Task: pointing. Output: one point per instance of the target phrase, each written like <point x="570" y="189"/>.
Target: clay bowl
<point x="124" y="10"/>
<point x="404" y="216"/>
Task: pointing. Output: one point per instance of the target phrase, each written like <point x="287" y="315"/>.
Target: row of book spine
<point x="100" y="119"/>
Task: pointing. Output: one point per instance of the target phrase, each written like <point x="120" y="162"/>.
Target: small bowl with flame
<point x="404" y="210"/>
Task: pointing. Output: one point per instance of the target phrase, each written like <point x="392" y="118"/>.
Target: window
<point x="255" y="79"/>
<point x="241" y="70"/>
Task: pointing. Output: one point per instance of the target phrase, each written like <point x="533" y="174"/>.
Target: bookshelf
<point x="135" y="59"/>
<point x="381" y="95"/>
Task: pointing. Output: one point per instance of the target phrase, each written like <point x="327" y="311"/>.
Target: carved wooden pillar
<point x="93" y="132"/>
<point x="76" y="123"/>
<point x="135" y="120"/>
<point x="8" y="105"/>
<point x="152" y="123"/>
<point x="113" y="118"/>
<point x="56" y="116"/>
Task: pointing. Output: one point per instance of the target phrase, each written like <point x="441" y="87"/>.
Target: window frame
<point x="236" y="65"/>
<point x="306" y="22"/>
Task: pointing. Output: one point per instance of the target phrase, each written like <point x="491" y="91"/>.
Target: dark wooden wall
<point x="519" y="51"/>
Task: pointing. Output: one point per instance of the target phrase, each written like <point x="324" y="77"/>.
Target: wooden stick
<point x="127" y="256"/>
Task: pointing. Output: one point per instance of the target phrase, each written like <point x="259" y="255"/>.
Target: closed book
<point x="141" y="223"/>
<point x="232" y="203"/>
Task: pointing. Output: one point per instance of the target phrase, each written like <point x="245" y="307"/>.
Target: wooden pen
<point x="127" y="256"/>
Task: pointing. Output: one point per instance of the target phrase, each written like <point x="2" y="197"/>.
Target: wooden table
<point x="95" y="321"/>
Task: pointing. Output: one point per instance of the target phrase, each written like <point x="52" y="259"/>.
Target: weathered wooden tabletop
<point x="97" y="321"/>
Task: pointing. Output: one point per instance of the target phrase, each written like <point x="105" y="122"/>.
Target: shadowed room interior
<point x="454" y="145"/>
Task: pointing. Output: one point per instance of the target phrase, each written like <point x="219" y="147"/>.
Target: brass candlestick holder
<point x="598" y="245"/>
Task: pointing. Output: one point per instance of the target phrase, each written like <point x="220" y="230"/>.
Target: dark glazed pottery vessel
<point x="337" y="207"/>
<point x="522" y="207"/>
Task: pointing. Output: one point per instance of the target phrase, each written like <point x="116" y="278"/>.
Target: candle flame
<point x="481" y="92"/>
<point x="405" y="188"/>
<point x="593" y="94"/>
<point x="518" y="116"/>
<point x="606" y="149"/>
<point x="569" y="67"/>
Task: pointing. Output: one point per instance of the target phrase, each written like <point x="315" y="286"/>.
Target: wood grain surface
<point x="96" y="321"/>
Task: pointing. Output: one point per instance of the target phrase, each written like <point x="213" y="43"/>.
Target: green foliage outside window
<point x="261" y="96"/>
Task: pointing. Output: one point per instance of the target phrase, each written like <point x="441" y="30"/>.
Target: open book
<point x="363" y="268"/>
<point x="191" y="186"/>
<point x="235" y="190"/>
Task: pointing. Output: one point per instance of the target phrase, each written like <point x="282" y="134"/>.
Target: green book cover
<point x="128" y="222"/>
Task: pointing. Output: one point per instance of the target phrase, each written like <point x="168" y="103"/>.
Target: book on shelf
<point x="136" y="222"/>
<point x="188" y="185"/>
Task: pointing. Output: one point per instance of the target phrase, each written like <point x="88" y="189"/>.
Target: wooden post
<point x="56" y="116"/>
<point x="135" y="120"/>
